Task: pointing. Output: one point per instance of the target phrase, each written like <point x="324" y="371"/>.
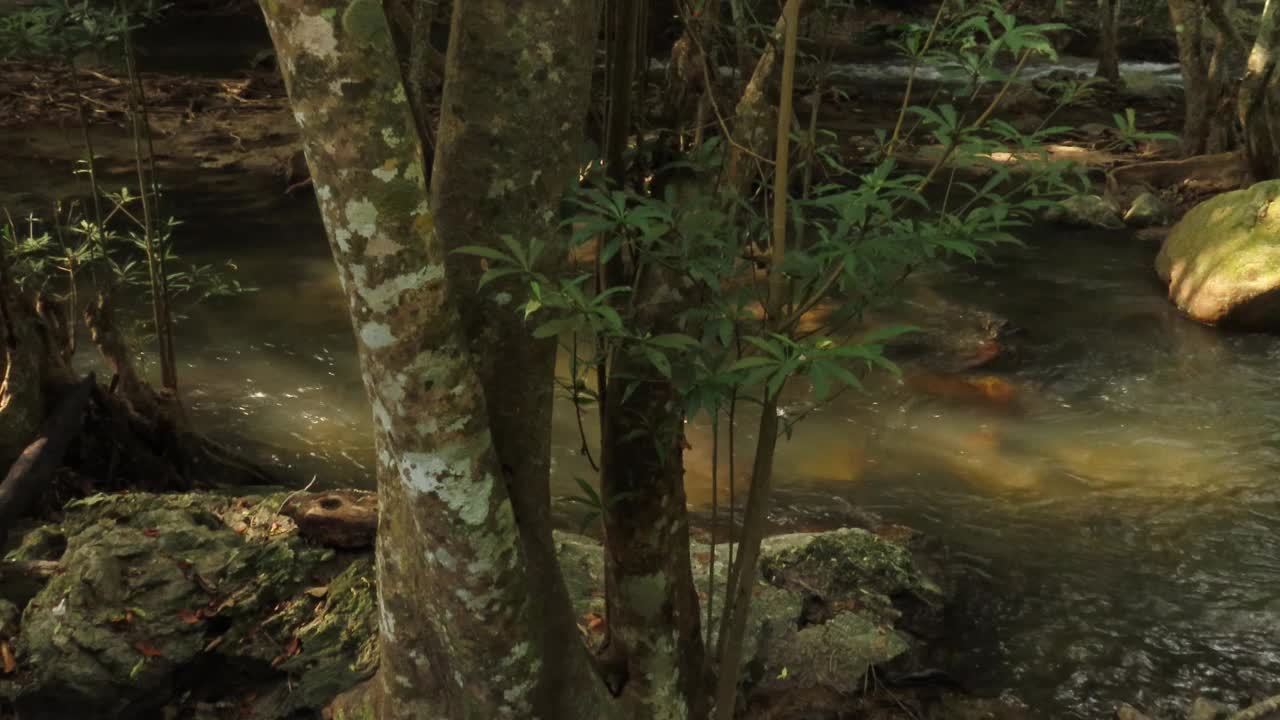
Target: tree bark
<point x="460" y="634"/>
<point x="1109" y="40"/>
<point x="517" y="85"/>
<point x="654" y="623"/>
<point x="1208" y="69"/>
<point x="1259" y="115"/>
<point x="1187" y="17"/>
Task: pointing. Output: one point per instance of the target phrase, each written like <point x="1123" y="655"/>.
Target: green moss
<point x="365" y="22"/>
<point x="848" y="564"/>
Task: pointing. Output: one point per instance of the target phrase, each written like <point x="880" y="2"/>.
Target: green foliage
<point x="1130" y="136"/>
<point x="854" y="236"/>
<point x="64" y="28"/>
<point x="55" y="256"/>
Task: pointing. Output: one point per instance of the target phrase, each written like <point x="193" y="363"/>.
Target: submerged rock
<point x="1221" y="262"/>
<point x="1148" y="210"/>
<point x="1086" y="211"/>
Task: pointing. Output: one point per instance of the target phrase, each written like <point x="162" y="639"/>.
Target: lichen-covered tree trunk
<point x="1109" y="40"/>
<point x="1259" y="106"/>
<point x="517" y="85"/>
<point x="654" y="625"/>
<point x="459" y="633"/>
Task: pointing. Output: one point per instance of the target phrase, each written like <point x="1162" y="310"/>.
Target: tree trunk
<point x="1207" y="73"/>
<point x="1259" y="114"/>
<point x="1109" y="40"/>
<point x="460" y="633"/>
<point x="1187" y="17"/>
<point x="517" y="83"/>
<point x="654" y="624"/>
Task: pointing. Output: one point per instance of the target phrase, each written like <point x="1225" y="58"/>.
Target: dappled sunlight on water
<point x="1123" y="506"/>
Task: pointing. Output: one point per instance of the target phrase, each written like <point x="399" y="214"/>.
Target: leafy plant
<point x="1130" y="136"/>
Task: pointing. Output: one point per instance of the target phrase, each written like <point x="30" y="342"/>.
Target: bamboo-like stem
<point x="743" y="573"/>
<point x="911" y="80"/>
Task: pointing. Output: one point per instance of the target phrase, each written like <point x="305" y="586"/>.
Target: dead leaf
<point x="188" y="617"/>
<point x="317" y="592"/>
<point x="151" y="532"/>
<point x="294" y="646"/>
<point x="147" y="649"/>
<point x="10" y="662"/>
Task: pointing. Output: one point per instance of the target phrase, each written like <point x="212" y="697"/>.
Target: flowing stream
<point x="1125" y="515"/>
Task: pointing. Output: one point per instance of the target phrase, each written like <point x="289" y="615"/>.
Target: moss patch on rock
<point x="213" y="597"/>
<point x="1221" y="262"/>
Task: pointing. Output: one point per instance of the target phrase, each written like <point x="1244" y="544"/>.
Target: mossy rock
<point x="816" y="664"/>
<point x="1091" y="211"/>
<point x="850" y="568"/>
<point x="1221" y="262"/>
<point x="1148" y="210"/>
<point x="196" y="594"/>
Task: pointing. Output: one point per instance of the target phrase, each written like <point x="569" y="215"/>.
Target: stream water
<point x="1126" y="517"/>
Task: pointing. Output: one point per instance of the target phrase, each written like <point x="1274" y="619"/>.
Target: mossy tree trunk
<point x="517" y="85"/>
<point x="654" y="626"/>
<point x="462" y="634"/>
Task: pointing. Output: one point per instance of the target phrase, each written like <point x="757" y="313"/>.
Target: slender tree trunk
<point x="742" y="576"/>
<point x="1109" y="40"/>
<point x="460" y="634"/>
<point x="653" y="617"/>
<point x="623" y="52"/>
<point x="1259" y="115"/>
<point x="517" y="82"/>
<point x="1187" y="17"/>
<point x="1209" y="70"/>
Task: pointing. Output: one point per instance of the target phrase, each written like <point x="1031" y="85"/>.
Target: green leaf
<point x="484" y="252"/>
<point x="494" y="273"/>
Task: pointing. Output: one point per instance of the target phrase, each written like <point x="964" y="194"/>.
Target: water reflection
<point x="1127" y="516"/>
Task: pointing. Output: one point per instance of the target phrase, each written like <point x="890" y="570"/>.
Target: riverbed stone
<point x="1129" y="712"/>
<point x="1092" y="211"/>
<point x="1202" y="708"/>
<point x="222" y="599"/>
<point x="206" y="593"/>
<point x="1148" y="210"/>
<point x="1221" y="262"/>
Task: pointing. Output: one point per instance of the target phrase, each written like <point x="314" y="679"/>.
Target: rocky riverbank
<point x="214" y="606"/>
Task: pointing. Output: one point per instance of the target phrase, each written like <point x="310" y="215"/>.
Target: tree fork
<point x="459" y="631"/>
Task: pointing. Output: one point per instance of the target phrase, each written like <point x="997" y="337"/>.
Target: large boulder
<point x="191" y="600"/>
<point x="1221" y="262"/>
